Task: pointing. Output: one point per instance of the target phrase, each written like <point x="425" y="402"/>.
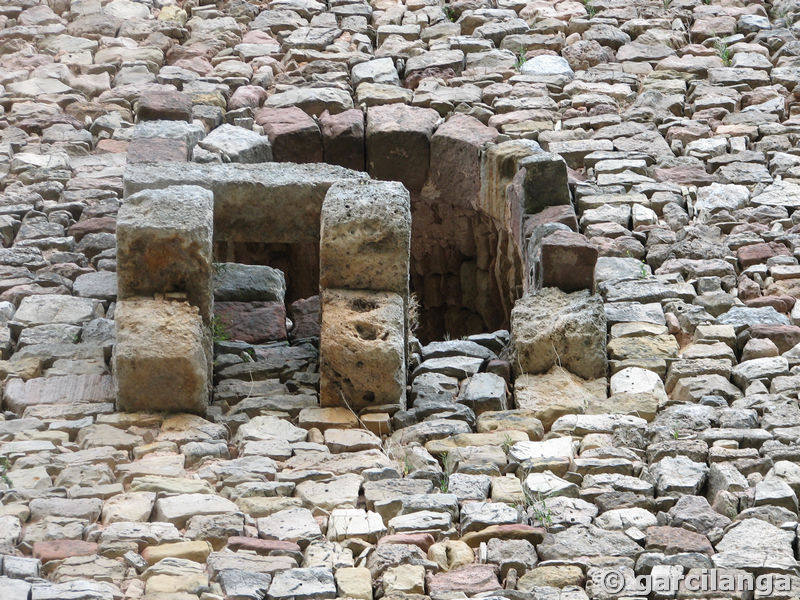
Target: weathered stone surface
<point x="272" y="202"/>
<point x="657" y="143"/>
<point x="567" y="262"/>
<point x="553" y="327"/>
<point x="365" y="237"/>
<point x="154" y="371"/>
<point x="556" y="393"/>
<point x="237" y="145"/>
<point x="293" y="134"/>
<point x="164" y="244"/>
<point x="343" y="139"/>
<point x="398" y="143"/>
<point x="362" y="347"/>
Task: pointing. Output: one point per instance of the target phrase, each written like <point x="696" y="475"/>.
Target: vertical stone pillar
<point x="162" y="359"/>
<point x="365" y="244"/>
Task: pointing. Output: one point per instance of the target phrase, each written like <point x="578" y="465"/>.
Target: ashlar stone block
<point x="162" y="357"/>
<point x="362" y="349"/>
<point x="164" y="240"/>
<point x="399" y="143"/>
<point x="365" y="236"/>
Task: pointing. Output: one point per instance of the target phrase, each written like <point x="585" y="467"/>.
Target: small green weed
<point x="218" y="333"/>
<point x="723" y="52"/>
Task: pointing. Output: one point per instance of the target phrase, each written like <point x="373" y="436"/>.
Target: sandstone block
<point x="271" y="202"/>
<point x="294" y="135"/>
<point x="162" y="356"/>
<point x="398" y="143"/>
<point x="343" y="138"/>
<point x="499" y="164"/>
<point x="179" y="509"/>
<point x="567" y="261"/>
<point x="365" y="237"/>
<point x="455" y="169"/>
<point x="555" y="328"/>
<point x="168" y="105"/>
<point x="545" y="182"/>
<point x="164" y="244"/>
<point x="362" y="349"/>
<point x="252" y="322"/>
<point x="557" y="393"/>
<point x="354" y="582"/>
<point x="150" y="150"/>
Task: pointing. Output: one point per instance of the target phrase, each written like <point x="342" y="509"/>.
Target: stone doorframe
<point x="172" y="214"/>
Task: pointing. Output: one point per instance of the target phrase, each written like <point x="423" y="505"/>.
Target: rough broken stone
<point x="552" y="328"/>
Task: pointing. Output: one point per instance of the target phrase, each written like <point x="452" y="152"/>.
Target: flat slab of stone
<point x="268" y="202"/>
<point x="234" y="282"/>
<point x="313" y="583"/>
<point x="162" y="357"/>
<point x="69" y="389"/>
<point x="164" y="242"/>
<point x="54" y="308"/>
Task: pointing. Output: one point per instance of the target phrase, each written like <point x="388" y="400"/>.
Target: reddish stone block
<point x="785" y="337"/>
<point x="756" y="254"/>
<point x="61" y="549"/>
<point x="343" y="138"/>
<point x="399" y="143"/>
<point x="676" y="540"/>
<point x="305" y="314"/>
<point x="567" y="261"/>
<point x="252" y="322"/>
<point x="167" y="105"/>
<point x="150" y="150"/>
<point x="247" y="95"/>
<point x="779" y="303"/>
<point x="472" y="579"/>
<point x="264" y="547"/>
<point x="294" y="135"/>
<point x="455" y="169"/>
<point x="111" y="147"/>
<point x="94" y="225"/>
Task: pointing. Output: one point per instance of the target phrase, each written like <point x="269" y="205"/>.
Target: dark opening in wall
<point x="461" y="272"/>
<point x="298" y="261"/>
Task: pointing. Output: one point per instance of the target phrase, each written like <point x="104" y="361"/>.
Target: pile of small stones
<point x="647" y="425"/>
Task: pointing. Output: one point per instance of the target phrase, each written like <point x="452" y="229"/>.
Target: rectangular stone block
<point x="500" y="163"/>
<point x="276" y="203"/>
<point x="294" y="135"/>
<point x="162" y="357"/>
<point x="362" y="349"/>
<point x="50" y="309"/>
<point x="164" y="240"/>
<point x="68" y="389"/>
<point x="399" y="143"/>
<point x="567" y="261"/>
<point x="455" y="169"/>
<point x="545" y="181"/>
<point x="365" y="237"/>
<point x="343" y="138"/>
